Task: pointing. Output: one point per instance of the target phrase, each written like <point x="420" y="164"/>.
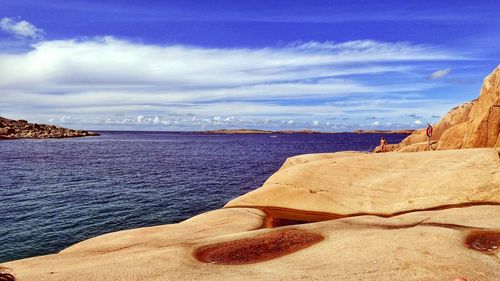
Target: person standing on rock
<point x="428" y="133"/>
<point x="383" y="144"/>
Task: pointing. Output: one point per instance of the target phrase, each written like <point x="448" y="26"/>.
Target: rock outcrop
<point x="472" y="124"/>
<point x="21" y="129"/>
<point x="382" y="184"/>
<point x="343" y="216"/>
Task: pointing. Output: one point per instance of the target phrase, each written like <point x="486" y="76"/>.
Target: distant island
<point x="22" y="129"/>
<point x="254" y="131"/>
<point x="404" y="132"/>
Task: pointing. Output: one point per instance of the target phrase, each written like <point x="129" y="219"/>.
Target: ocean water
<point x="57" y="192"/>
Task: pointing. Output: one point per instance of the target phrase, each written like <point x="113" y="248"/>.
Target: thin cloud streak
<point x="139" y="13"/>
<point x="438" y="74"/>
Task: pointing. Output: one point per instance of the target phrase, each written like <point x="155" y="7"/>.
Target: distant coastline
<point x="404" y="132"/>
<point x="254" y="131"/>
<point x="22" y="129"/>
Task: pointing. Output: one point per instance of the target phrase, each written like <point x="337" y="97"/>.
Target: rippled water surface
<point x="54" y="193"/>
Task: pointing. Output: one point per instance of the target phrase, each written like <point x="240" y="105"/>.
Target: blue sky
<point x="195" y="65"/>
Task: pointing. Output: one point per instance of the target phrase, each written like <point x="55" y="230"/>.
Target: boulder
<point x="6" y="131"/>
<point x="453" y="137"/>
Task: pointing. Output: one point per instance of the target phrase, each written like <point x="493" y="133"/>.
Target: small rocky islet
<point x="22" y="129"/>
<point x="408" y="214"/>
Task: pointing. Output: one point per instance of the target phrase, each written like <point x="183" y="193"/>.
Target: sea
<point x="57" y="192"/>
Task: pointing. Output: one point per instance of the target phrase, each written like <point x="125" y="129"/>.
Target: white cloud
<point x="417" y="122"/>
<point x="94" y="79"/>
<point x="439" y="73"/>
<point x="376" y="123"/>
<point x="401" y="49"/>
<point x="106" y="63"/>
<point x="65" y="119"/>
<point x="20" y="28"/>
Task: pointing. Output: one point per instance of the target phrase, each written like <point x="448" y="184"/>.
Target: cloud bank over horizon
<point x="112" y="83"/>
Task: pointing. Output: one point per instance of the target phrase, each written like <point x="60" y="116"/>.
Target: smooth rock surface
<point x="306" y="158"/>
<point x="384" y="184"/>
<point x="394" y="216"/>
<point x="416" y="246"/>
<point x="152" y="253"/>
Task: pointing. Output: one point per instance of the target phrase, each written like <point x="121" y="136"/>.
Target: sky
<point x="198" y="65"/>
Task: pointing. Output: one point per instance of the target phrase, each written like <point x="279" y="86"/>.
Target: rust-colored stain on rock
<point x="257" y="249"/>
<point x="485" y="241"/>
<point x="271" y="222"/>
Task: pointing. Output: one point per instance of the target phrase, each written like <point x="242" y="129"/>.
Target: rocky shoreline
<point x="22" y="129"/>
<point x="432" y="215"/>
<point x="427" y="215"/>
